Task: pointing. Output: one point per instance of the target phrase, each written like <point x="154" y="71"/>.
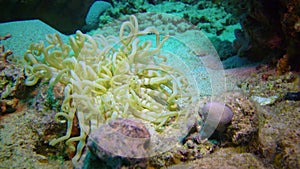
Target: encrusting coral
<point x="106" y="78"/>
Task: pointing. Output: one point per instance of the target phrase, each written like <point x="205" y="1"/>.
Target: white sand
<point x="24" y="33"/>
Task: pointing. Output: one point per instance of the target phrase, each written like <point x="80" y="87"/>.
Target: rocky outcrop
<point x="64" y="15"/>
<point x="270" y="29"/>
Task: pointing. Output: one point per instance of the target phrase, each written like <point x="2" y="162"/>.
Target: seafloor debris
<point x="229" y="158"/>
<point x="265" y="100"/>
<point x="271" y="87"/>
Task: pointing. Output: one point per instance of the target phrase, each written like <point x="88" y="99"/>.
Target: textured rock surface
<point x="244" y="125"/>
<point x="278" y="126"/>
<point x="228" y="158"/>
<point x="122" y="142"/>
<point x="11" y="80"/>
<point x="189" y="151"/>
<point x="270" y="29"/>
<point x="23" y="141"/>
<point x="279" y="135"/>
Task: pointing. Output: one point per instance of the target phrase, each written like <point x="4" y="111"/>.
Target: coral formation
<point x="4" y="53"/>
<point x="95" y="11"/>
<point x="270" y="29"/>
<point x="11" y="81"/>
<point x="192" y="12"/>
<point x="283" y="66"/>
<point x="191" y="150"/>
<point x="109" y="78"/>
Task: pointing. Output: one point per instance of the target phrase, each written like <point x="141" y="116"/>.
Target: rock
<point x="271" y="29"/>
<point x="227" y="158"/>
<point x="244" y="124"/>
<point x="122" y="142"/>
<point x="279" y="134"/>
<point x="189" y="151"/>
<point x="273" y="128"/>
<point x="216" y="116"/>
<point x="224" y="48"/>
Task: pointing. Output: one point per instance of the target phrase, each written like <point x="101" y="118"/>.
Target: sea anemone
<point x="106" y="78"/>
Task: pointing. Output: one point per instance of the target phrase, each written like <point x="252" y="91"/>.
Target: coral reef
<point x="76" y="90"/>
<point x="109" y="78"/>
<point x="269" y="29"/>
<point x="192" y="12"/>
<point x="218" y="27"/>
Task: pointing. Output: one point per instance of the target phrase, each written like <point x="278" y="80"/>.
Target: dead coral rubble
<point x="4" y="53"/>
<point x="11" y="79"/>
